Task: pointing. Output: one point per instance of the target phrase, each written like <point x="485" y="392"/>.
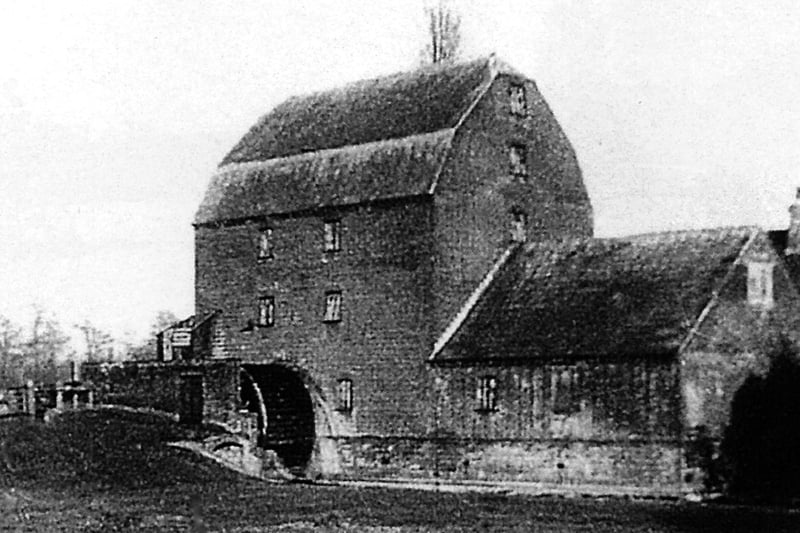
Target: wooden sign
<point x="181" y="337"/>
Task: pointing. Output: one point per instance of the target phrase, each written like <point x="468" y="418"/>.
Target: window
<point x="265" y="244"/>
<point x="333" y="235"/>
<point x="333" y="306"/>
<point x="266" y="311"/>
<point x="519" y="222"/>
<point x="561" y="390"/>
<point x="516" y="95"/>
<point x="759" y="283"/>
<point x="487" y="394"/>
<point x="344" y="395"/>
<point x="517" y="159"/>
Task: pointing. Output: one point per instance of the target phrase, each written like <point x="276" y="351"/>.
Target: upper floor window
<point x="519" y="223"/>
<point x="487" y="394"/>
<point x="517" y="156"/>
<point x="759" y="283"/>
<point x="266" y="311"/>
<point x="333" y="306"/>
<point x="516" y="94"/>
<point x="265" y="244"/>
<point x="333" y="235"/>
<point x="344" y="395"/>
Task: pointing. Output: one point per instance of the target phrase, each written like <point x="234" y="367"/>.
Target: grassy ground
<point x="112" y="472"/>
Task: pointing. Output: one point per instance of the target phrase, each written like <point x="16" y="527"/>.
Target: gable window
<point x="519" y="223"/>
<point x="517" y="156"/>
<point x="344" y="395"/>
<point x="333" y="235"/>
<point x="265" y="244"/>
<point x="266" y="311"/>
<point x="759" y="284"/>
<point x="333" y="306"/>
<point x="487" y="394"/>
<point x="516" y="95"/>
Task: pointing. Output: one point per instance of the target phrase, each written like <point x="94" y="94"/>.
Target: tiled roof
<point x="598" y="297"/>
<point x="353" y="174"/>
<point x="401" y="105"/>
<point x="377" y="139"/>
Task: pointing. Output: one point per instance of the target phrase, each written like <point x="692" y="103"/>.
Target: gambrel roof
<point x="382" y="138"/>
<point x="597" y="297"/>
<point x="381" y="170"/>
<point x="429" y="99"/>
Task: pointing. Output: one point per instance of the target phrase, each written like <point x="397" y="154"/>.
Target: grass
<point x="102" y="471"/>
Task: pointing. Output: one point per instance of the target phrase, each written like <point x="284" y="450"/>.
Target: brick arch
<point x="293" y="418"/>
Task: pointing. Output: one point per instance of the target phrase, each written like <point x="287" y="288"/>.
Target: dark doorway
<point x="289" y="425"/>
<point x="191" y="399"/>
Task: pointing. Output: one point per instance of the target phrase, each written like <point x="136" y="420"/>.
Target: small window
<point x="344" y="394"/>
<point x="759" y="283"/>
<point x="266" y="311"/>
<point x="562" y="386"/>
<point x="487" y="394"/>
<point x="333" y="307"/>
<point x="265" y="244"/>
<point x="516" y="94"/>
<point x="517" y="156"/>
<point x="519" y="223"/>
<point x="333" y="235"/>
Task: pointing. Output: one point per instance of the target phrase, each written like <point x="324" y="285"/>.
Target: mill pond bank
<point x="104" y="470"/>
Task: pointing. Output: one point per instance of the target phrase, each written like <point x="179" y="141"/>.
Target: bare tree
<point x="98" y="342"/>
<point x="444" y="31"/>
<point x="147" y="350"/>
<point x="11" y="360"/>
<point x="46" y="343"/>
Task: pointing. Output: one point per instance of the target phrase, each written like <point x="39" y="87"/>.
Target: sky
<point x="114" y="115"/>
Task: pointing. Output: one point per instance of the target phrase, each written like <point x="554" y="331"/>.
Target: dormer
<point x="760" y="282"/>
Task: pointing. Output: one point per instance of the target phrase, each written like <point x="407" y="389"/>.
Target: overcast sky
<point x="113" y="115"/>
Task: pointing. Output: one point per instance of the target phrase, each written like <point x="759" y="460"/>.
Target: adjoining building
<point x="398" y="278"/>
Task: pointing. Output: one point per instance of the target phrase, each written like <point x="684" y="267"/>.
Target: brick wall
<point x="477" y="192"/>
<point x="155" y="385"/>
<point x="383" y="272"/>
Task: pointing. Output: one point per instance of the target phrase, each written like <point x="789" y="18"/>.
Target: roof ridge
<point x="427" y="67"/>
<point x="687" y="231"/>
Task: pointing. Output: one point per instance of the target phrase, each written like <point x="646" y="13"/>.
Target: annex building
<point x="398" y="278"/>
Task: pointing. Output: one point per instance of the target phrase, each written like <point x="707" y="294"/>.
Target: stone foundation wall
<point x="647" y="465"/>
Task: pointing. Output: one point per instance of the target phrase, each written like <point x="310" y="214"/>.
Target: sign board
<point x="181" y="337"/>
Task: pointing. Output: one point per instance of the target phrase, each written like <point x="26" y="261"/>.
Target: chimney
<point x="793" y="237"/>
<point x="74" y="371"/>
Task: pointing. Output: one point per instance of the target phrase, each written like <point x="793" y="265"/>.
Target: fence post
<point x="30" y="398"/>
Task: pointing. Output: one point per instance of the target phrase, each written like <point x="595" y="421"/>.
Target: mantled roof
<point x="382" y="138"/>
<point x="400" y="105"/>
<point x="335" y="177"/>
<point x="596" y="297"/>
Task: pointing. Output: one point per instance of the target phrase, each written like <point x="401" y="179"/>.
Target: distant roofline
<point x="676" y="232"/>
